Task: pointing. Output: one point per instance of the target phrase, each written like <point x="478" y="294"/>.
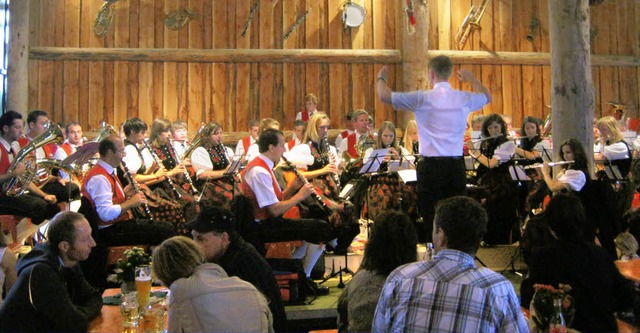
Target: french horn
<point x="17" y="185"/>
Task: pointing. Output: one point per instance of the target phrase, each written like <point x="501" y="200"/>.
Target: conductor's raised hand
<point x="464" y="75"/>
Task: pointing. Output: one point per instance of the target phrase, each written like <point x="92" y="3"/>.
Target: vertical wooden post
<point x="415" y="47"/>
<point x="572" y="92"/>
<point x="18" y="71"/>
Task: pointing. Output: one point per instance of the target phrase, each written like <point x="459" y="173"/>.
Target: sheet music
<point x="469" y="163"/>
<point x="375" y="159"/>
<point x="395" y="165"/>
<point x="345" y="190"/>
<point x="234" y="167"/>
<point x="408" y="175"/>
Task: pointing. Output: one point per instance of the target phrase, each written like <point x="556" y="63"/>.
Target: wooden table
<point x="630" y="269"/>
<point x="110" y="319"/>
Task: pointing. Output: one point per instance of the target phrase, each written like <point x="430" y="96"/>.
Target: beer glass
<point x="143" y="285"/>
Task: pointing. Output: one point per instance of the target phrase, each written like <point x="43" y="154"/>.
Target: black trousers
<point x="63" y="193"/>
<point x="278" y="229"/>
<point x="438" y="178"/>
<point x="28" y="205"/>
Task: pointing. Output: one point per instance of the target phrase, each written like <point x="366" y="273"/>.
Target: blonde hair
<point x="612" y="124"/>
<point x="311" y="97"/>
<point x="626" y="244"/>
<point x="408" y="142"/>
<point x="311" y="134"/>
<point x="388" y="126"/>
<point x="267" y="123"/>
<point x="176" y="258"/>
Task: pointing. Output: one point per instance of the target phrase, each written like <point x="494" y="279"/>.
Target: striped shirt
<point x="448" y="294"/>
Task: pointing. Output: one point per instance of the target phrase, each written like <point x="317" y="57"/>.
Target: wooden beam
<point x="307" y="56"/>
<point x="18" y="71"/>
<point x="217" y="55"/>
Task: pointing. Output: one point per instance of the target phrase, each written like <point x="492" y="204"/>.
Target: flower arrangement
<point x="125" y="267"/>
<point x="542" y="308"/>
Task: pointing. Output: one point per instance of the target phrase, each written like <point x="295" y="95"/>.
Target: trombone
<point x="471" y="23"/>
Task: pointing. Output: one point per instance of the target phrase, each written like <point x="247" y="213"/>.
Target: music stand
<point x="518" y="175"/>
<point x="613" y="172"/>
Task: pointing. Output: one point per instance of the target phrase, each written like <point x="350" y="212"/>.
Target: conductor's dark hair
<point x="134" y="125"/>
<point x="392" y="243"/>
<point x="268" y="137"/>
<point x="441" y="66"/>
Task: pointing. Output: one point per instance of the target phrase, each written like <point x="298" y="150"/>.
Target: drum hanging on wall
<point x="353" y="14"/>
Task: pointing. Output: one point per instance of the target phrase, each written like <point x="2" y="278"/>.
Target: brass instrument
<point x="159" y="163"/>
<point x="195" y="143"/>
<point x="75" y="173"/>
<point x="17" y="185"/>
<point x="364" y="142"/>
<point x="551" y="164"/>
<point x="194" y="190"/>
<point x="105" y="131"/>
<point x="104" y="17"/>
<point x="619" y="109"/>
<point x="136" y="187"/>
<point x="470" y="24"/>
<point x="254" y="8"/>
<point x="298" y="22"/>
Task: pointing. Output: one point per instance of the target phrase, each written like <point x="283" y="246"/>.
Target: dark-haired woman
<point x="493" y="154"/>
<point x="392" y="243"/>
<point x="211" y="161"/>
<point x="532" y="149"/>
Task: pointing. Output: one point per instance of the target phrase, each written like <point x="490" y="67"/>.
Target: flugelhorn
<point x="17" y="185"/>
<point x="551" y="164"/>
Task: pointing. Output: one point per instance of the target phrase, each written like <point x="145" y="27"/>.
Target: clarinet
<point x="336" y="179"/>
<point x="136" y="187"/>
<point x="194" y="190"/>
<point x="159" y="163"/>
<point x="315" y="195"/>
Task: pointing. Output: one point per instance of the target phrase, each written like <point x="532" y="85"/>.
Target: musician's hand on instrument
<point x="306" y="190"/>
<point x="129" y="190"/>
<point x="19" y="169"/>
<point x="62" y="181"/>
<point x="544" y="169"/>
<point x="179" y="169"/>
<point x="50" y="198"/>
<point x="330" y="168"/>
<point x="138" y="199"/>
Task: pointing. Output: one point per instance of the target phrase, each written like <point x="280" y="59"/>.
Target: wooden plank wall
<point x="234" y="93"/>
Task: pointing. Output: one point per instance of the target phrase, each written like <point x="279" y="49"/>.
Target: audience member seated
<point x="51" y="293"/>
<point x="627" y="246"/>
<point x="35" y="204"/>
<point x="598" y="288"/>
<point x="8" y="273"/>
<point x="203" y="297"/>
<point x="450" y="293"/>
<point x="392" y="243"/>
<point x="106" y="206"/>
<point x="214" y="231"/>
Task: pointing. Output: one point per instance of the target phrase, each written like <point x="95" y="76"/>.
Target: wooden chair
<point x="9" y="227"/>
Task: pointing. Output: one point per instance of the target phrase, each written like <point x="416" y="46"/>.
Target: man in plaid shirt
<point x="450" y="293"/>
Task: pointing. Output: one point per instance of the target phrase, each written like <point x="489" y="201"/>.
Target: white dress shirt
<point x="99" y="188"/>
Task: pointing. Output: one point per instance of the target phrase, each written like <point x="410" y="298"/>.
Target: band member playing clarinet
<point x="211" y="161"/>
<point x="269" y="202"/>
<point x="107" y="206"/>
<point x="441" y="114"/>
<point x="320" y="160"/>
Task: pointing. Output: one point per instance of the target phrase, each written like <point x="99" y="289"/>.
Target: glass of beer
<point x="143" y="285"/>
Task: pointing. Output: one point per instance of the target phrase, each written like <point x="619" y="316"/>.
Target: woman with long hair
<point x="493" y="155"/>
<point x="387" y="191"/>
<point x="210" y="162"/>
<point x="392" y="243"/>
<point x="411" y="143"/>
<point x="318" y="161"/>
<point x="614" y="150"/>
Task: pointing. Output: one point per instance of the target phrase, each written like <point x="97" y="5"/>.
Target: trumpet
<point x="136" y="187"/>
<point x="159" y="163"/>
<point x="551" y="164"/>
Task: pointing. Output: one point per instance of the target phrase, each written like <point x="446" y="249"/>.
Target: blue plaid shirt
<point x="448" y="294"/>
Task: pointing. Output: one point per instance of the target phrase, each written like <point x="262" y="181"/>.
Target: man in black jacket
<point x="51" y="293"/>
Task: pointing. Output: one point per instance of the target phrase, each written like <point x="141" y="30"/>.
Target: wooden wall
<point x="234" y="92"/>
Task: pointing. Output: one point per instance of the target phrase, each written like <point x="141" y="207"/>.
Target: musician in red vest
<point x="350" y="129"/>
<point x="299" y="127"/>
<point x="269" y="203"/>
<point x="310" y="103"/>
<point x="243" y="144"/>
<point x="107" y="206"/>
<point x="63" y="189"/>
<point x="70" y="146"/>
<point x="361" y="127"/>
<point x="35" y="204"/>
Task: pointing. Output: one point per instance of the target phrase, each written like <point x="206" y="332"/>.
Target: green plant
<point x="125" y="267"/>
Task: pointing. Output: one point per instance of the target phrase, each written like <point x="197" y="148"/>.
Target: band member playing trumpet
<point x="107" y="205"/>
<point x="387" y="191"/>
<point x="492" y="152"/>
<point x="36" y="204"/>
<point x="211" y="161"/>
<point x="155" y="180"/>
<point x="318" y="163"/>
<point x="62" y="188"/>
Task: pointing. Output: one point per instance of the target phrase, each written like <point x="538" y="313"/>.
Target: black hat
<point x="213" y="219"/>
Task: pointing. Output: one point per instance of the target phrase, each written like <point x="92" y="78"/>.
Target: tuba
<point x="194" y="144"/>
<point x="105" y="131"/>
<point x="17" y="185"/>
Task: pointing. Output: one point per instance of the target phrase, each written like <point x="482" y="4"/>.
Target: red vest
<point x="344" y="134"/>
<point x="351" y="145"/>
<point x="117" y="193"/>
<point x="49" y="148"/>
<point x="4" y="159"/>
<point x="291" y="144"/>
<point x="246" y="142"/>
<point x="259" y="213"/>
<point x="305" y="115"/>
<point x="67" y="148"/>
